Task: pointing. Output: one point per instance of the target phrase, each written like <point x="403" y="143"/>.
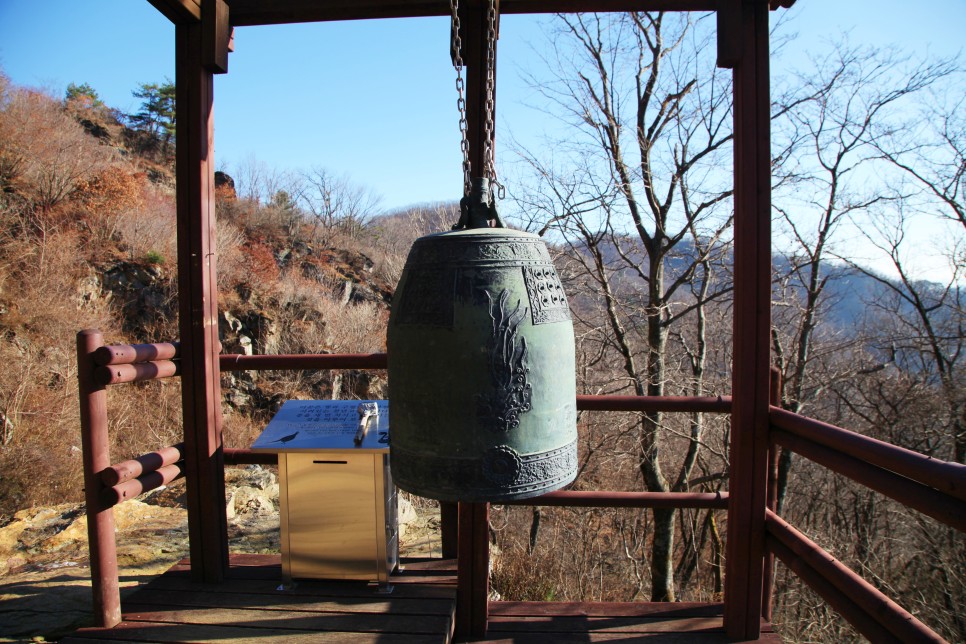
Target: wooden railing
<point x="934" y="487"/>
<point x="107" y="484"/>
<point x="931" y="486"/>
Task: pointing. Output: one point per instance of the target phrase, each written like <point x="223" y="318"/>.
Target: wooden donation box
<point x="337" y="500"/>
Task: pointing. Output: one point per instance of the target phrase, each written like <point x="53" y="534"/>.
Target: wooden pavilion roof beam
<point x="259" y="12"/>
<point x="180" y="12"/>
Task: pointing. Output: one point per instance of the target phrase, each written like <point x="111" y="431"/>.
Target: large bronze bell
<point x="482" y="394"/>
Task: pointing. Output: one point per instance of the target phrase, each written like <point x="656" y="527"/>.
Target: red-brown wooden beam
<point x="752" y="325"/>
<point x="768" y="581"/>
<point x="836" y="597"/>
<point x="259" y="12"/>
<point x="97" y="457"/>
<point x="897" y="622"/>
<point x="237" y="362"/>
<point x="607" y="499"/>
<point x="135" y="467"/>
<point x="216" y="38"/>
<point x="945" y="476"/>
<point x="472" y="570"/>
<point x="708" y="404"/>
<point x="244" y="456"/>
<point x="146" y="482"/>
<point x="131" y="353"/>
<point x="198" y="309"/>
<point x="910" y="493"/>
<point x="116" y="374"/>
<point x="179" y="11"/>
<point x="473" y="16"/>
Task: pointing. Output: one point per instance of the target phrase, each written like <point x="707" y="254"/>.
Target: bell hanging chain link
<point x="489" y="106"/>
<point x="457" y="51"/>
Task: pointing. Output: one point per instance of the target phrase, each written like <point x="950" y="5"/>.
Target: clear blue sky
<point x="374" y="100"/>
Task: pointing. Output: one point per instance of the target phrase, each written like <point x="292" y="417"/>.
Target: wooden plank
<point x="259" y="12"/>
<point x="166" y="632"/>
<point x="283" y="600"/>
<point x="291" y="620"/>
<point x="606" y="609"/>
<point x="557" y="624"/>
<point x="307" y="588"/>
<point x="584" y="638"/>
<point x="198" y="309"/>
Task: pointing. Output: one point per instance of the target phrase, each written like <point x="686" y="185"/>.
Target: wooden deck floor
<point x="249" y="608"/>
<point x="566" y="623"/>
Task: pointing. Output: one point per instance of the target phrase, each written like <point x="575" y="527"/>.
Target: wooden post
<point x="474" y="23"/>
<point x="473" y="570"/>
<point x="449" y="529"/>
<point x="198" y="309"/>
<point x="97" y="457"/>
<point x="752" y="321"/>
<point x="768" y="581"/>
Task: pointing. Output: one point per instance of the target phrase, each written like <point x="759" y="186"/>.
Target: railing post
<point x="768" y="583"/>
<point x="96" y="453"/>
<point x="473" y="570"/>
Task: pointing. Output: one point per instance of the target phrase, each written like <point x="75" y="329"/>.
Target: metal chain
<point x="489" y="170"/>
<point x="457" y="47"/>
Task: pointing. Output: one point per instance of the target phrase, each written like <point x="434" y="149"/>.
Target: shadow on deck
<point x="249" y="607"/>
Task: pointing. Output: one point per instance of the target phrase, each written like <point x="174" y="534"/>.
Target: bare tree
<point x="44" y="153"/>
<point x="928" y="324"/>
<point x="640" y="204"/>
<point x="931" y="149"/>
<point x="824" y="126"/>
<point x="331" y="202"/>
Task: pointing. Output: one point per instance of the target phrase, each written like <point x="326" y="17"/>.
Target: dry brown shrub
<point x="261" y="264"/>
<point x="144" y="417"/>
<point x="240" y="430"/>
<point x="44" y="153"/>
<point x="149" y="228"/>
<point x="112" y="190"/>
<point x="230" y="244"/>
<point x="48" y="292"/>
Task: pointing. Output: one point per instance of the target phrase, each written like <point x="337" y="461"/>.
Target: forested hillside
<point x="88" y="241"/>
<point x="864" y="145"/>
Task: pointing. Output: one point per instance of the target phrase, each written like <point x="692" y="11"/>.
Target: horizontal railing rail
<point x="148" y="481"/>
<point x="240" y="456"/>
<point x="863" y="468"/>
<point x="945" y="476"/>
<point x="130" y="353"/>
<point x="239" y="362"/>
<point x="931" y="486"/>
<point x="131" y="469"/>
<point x="866" y="607"/>
<point x="611" y="499"/>
<point x="139" y="372"/>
